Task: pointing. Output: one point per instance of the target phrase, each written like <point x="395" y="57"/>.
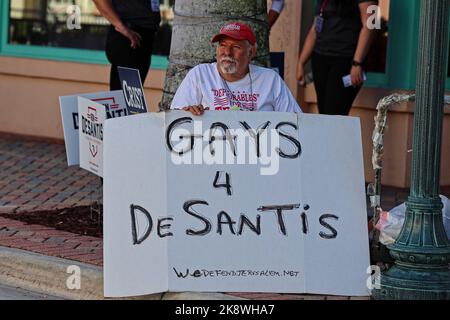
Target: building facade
<point x="50" y="48"/>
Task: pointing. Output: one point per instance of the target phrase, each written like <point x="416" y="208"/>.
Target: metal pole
<point x="422" y="250"/>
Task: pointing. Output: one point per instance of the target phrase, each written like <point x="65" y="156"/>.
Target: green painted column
<point x="422" y="250"/>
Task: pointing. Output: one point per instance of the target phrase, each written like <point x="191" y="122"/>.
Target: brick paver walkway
<point x="34" y="176"/>
<point x="51" y="242"/>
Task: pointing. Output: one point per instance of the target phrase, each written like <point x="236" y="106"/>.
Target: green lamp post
<point x="422" y="250"/>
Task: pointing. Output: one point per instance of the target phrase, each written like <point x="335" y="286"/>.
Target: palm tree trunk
<point x="195" y="23"/>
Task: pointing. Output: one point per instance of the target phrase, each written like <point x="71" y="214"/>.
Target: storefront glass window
<point x="378" y="51"/>
<point x="71" y="24"/>
<point x="448" y="60"/>
<point x="376" y="58"/>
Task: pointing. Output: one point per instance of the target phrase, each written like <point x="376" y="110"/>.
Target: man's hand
<point x="195" y="110"/>
<point x="301" y="75"/>
<point x="106" y="8"/>
<point x="357" y="76"/>
<point x="134" y="37"/>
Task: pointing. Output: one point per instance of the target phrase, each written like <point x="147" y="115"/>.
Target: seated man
<point x="232" y="83"/>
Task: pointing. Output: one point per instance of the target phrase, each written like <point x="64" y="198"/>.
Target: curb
<point x="49" y="275"/>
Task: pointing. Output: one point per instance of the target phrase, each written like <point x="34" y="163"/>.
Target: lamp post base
<point x="400" y="283"/>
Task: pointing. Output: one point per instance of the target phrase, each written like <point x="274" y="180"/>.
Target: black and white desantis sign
<point x="115" y="107"/>
<point x="234" y="201"/>
<point x="92" y="117"/>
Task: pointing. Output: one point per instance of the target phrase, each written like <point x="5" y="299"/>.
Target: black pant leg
<point x="320" y="71"/>
<point x="144" y="53"/>
<point x="332" y="97"/>
<point x="120" y="53"/>
<point x="339" y="99"/>
<point x="114" y="81"/>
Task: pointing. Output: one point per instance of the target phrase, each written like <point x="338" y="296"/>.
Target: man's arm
<point x="284" y="101"/>
<point x="188" y="96"/>
<point x="195" y="110"/>
<point x="305" y="54"/>
<point x="106" y="9"/>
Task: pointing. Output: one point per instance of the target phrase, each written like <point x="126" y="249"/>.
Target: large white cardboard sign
<point x="177" y="219"/>
<point x="115" y="107"/>
<point x="92" y="117"/>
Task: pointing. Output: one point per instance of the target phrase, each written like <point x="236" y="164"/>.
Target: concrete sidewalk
<point x="34" y="176"/>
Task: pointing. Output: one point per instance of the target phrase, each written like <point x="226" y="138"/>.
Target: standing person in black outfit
<point x="130" y="37"/>
<point x="337" y="43"/>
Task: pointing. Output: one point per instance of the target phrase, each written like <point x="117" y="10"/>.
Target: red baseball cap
<point x="237" y="31"/>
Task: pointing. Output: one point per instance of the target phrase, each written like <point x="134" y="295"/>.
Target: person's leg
<point x="320" y="70"/>
<point x="119" y="53"/>
<point x="339" y="99"/>
<point x="144" y="53"/>
<point x="114" y="81"/>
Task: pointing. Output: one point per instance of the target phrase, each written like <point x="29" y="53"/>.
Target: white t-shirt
<point x="262" y="90"/>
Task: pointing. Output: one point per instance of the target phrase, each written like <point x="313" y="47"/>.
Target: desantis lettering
<point x="134" y="210"/>
<point x="133" y="96"/>
<point x="92" y="129"/>
<point x="75" y="120"/>
<point x="115" y="113"/>
<point x="109" y="114"/>
<point x="225" y="222"/>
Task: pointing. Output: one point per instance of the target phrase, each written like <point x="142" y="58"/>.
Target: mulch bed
<point x="83" y="220"/>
